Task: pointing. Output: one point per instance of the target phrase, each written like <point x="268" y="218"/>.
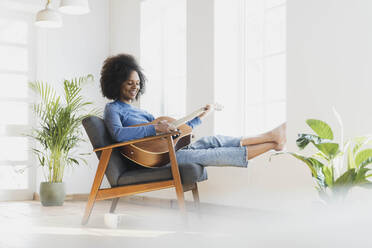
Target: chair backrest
<point x="99" y="137"/>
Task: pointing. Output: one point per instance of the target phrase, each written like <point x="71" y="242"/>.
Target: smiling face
<point x="129" y="89"/>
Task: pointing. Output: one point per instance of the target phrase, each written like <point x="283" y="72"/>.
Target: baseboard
<point x="134" y="199"/>
<point x="72" y="197"/>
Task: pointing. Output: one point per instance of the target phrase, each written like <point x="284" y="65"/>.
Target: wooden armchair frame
<point x="97" y="194"/>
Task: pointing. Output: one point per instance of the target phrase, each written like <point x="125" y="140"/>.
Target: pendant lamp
<point x="74" y="7"/>
<point x="48" y="18"/>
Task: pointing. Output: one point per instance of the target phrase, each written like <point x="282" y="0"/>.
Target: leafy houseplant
<point x="58" y="133"/>
<point x="332" y="177"/>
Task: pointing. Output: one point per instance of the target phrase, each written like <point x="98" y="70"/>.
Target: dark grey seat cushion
<point x="121" y="171"/>
<point x="190" y="173"/>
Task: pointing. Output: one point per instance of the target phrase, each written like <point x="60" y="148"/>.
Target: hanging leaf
<point x="328" y="175"/>
<point x="304" y="139"/>
<point x="306" y="161"/>
<point x="322" y="129"/>
<point x="318" y="171"/>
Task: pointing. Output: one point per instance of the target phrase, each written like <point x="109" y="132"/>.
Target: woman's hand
<point x="207" y="110"/>
<point x="164" y="127"/>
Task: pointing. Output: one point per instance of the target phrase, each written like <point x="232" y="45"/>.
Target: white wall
<point x="200" y="60"/>
<point x="76" y="49"/>
<point x="125" y="27"/>
<point x="329" y="61"/>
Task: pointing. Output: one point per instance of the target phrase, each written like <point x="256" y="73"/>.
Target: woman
<point x="123" y="81"/>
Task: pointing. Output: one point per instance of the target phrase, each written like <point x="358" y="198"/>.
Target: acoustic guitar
<point x="155" y="153"/>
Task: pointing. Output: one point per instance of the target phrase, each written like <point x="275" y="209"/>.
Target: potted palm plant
<point x="58" y="134"/>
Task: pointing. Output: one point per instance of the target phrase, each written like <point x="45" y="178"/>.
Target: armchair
<point x="127" y="178"/>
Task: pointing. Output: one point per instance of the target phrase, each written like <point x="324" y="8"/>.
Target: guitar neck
<point x="187" y="118"/>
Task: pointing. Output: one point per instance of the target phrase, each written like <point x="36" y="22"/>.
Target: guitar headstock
<point x="217" y="107"/>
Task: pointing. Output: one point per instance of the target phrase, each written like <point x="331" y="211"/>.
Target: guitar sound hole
<point x="176" y="135"/>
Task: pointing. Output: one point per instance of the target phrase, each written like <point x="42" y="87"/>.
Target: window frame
<point x="12" y="130"/>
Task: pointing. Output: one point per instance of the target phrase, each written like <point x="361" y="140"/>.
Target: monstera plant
<point x="335" y="167"/>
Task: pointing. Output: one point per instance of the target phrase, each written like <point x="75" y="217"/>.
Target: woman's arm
<point x="120" y="133"/>
<point x="197" y="120"/>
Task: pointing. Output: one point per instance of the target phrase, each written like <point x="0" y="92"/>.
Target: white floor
<point x="27" y="224"/>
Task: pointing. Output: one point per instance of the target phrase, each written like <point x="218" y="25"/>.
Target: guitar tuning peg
<point x="218" y="106"/>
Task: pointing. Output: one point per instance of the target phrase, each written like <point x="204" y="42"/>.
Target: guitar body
<point x="155" y="153"/>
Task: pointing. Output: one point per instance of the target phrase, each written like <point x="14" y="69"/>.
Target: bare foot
<point x="279" y="134"/>
<point x="279" y="147"/>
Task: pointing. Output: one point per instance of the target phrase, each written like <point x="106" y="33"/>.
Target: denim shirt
<point x="119" y="118"/>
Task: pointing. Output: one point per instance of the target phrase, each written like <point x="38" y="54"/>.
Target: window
<point x="163" y="56"/>
<point x="15" y="71"/>
<point x="250" y="65"/>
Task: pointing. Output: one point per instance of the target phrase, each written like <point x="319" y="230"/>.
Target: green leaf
<point x="366" y="162"/>
<point x="73" y="160"/>
<point x="363" y="158"/>
<point x="322" y="129"/>
<point x="321" y="173"/>
<point x="329" y="149"/>
<point x="359" y="142"/>
<point x="320" y="155"/>
<point x="328" y="176"/>
<point x="346" y="179"/>
<point x="304" y="139"/>
<point x="306" y="161"/>
<point x="361" y="177"/>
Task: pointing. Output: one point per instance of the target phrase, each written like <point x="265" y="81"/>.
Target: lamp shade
<point x="48" y="18"/>
<point x="74" y="7"/>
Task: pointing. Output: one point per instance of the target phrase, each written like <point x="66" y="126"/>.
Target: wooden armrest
<point x="136" y="141"/>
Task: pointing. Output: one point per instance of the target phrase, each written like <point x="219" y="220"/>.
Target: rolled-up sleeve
<point x="194" y="122"/>
<point x="120" y="133"/>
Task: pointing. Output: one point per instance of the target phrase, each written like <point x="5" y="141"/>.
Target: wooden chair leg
<point x="176" y="176"/>
<point x="195" y="194"/>
<point x="102" y="165"/>
<point x="114" y="204"/>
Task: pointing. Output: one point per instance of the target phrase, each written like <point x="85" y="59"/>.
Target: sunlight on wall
<point x="250" y="65"/>
<point x="163" y="56"/>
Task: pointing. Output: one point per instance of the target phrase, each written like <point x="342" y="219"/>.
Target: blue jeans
<point x="214" y="151"/>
